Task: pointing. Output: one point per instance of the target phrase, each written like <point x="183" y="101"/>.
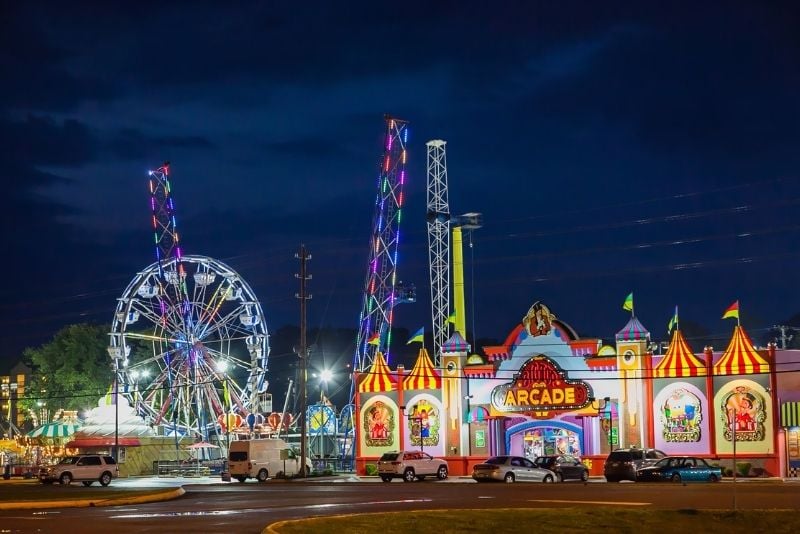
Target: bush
<point x="743" y="468"/>
<point x="372" y="469"/>
<point x="727" y="471"/>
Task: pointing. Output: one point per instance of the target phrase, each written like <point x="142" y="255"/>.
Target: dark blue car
<point x="680" y="469"/>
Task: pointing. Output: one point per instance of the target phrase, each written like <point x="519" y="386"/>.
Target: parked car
<point x="86" y="468"/>
<point x="679" y="469"/>
<point x="410" y="465"/>
<point x="565" y="467"/>
<point x="511" y="469"/>
<point x="622" y="464"/>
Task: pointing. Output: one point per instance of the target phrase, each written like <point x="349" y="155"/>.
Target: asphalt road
<point x="249" y="507"/>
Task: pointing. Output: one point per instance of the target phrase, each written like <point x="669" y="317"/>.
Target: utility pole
<point x="302" y="352"/>
<point x="785" y="338"/>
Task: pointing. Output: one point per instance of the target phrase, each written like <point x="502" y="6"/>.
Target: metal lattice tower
<point x="167" y="242"/>
<point x="379" y="287"/>
<point x="438" y="217"/>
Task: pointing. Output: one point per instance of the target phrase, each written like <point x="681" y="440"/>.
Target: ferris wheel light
<point x="222" y="365"/>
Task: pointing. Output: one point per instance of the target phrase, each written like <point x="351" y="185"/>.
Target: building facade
<point x="546" y="391"/>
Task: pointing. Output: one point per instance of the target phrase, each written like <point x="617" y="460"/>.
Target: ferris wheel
<point x="187" y="356"/>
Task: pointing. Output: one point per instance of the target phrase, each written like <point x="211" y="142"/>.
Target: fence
<point x="187" y="469"/>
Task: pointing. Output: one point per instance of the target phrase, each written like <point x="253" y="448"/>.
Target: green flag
<point x="673" y="323"/>
<point x="628" y="304"/>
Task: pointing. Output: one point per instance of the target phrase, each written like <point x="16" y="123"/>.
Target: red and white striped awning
<point x="679" y="361"/>
<point x="379" y="378"/>
<point x="740" y="358"/>
<point x="423" y="375"/>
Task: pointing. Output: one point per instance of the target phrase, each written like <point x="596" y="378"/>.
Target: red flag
<point x="732" y="311"/>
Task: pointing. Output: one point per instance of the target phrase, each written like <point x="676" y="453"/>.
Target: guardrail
<point x="183" y="469"/>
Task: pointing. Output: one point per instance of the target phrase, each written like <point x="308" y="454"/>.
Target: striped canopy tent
<point x="456" y="343"/>
<point x="423" y="375"/>
<point x="633" y="331"/>
<point x="379" y="378"/>
<point x="679" y="361"/>
<point x="54" y="430"/>
<point x="740" y="358"/>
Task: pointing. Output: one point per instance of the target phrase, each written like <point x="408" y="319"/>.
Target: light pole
<point x="116" y="416"/>
<point x="223" y="367"/>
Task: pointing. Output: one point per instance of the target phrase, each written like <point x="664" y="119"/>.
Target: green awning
<point x="790" y="414"/>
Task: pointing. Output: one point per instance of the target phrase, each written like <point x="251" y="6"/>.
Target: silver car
<point x="511" y="469"/>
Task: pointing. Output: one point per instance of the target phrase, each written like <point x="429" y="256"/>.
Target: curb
<point x="86" y="503"/>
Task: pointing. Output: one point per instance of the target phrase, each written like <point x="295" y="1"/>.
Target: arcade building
<point x="547" y="391"/>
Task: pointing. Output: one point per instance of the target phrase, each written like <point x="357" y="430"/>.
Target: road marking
<point x="261" y="510"/>
<point x="621" y="503"/>
<point x="486" y="496"/>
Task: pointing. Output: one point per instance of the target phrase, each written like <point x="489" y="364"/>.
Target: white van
<point x="263" y="458"/>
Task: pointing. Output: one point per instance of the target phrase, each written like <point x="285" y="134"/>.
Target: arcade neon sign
<point x="541" y="386"/>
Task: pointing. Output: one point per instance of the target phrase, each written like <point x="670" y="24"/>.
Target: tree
<point x="70" y="372"/>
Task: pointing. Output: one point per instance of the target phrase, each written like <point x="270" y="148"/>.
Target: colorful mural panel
<point x="378" y="424"/>
<point x="681" y="416"/>
<point x="424" y="426"/>
<point x="424" y="422"/>
<point x="744" y="410"/>
<point x="744" y="406"/>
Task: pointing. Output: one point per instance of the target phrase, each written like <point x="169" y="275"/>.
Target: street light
<point x="325" y="375"/>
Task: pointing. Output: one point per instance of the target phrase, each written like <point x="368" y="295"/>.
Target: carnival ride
<point x="195" y="323"/>
<point x="380" y="286"/>
<point x="440" y="225"/>
<point x="438" y="217"/>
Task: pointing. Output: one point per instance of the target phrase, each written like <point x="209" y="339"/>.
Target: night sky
<point x="611" y="148"/>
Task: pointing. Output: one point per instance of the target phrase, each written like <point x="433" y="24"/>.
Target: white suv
<point x="86" y="468"/>
<point x="409" y="465"/>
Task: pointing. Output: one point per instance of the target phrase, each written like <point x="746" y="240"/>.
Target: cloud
<point x="130" y="143"/>
<point x="46" y="141"/>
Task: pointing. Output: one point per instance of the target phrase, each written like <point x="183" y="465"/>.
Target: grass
<point x="563" y="520"/>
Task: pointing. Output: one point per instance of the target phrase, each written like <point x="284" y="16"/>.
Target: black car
<point x="622" y="464"/>
<point x="565" y="467"/>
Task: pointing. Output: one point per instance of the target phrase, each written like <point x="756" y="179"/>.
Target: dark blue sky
<point x="612" y="147"/>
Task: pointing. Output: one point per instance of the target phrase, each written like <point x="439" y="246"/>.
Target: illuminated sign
<point x="541" y="386"/>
